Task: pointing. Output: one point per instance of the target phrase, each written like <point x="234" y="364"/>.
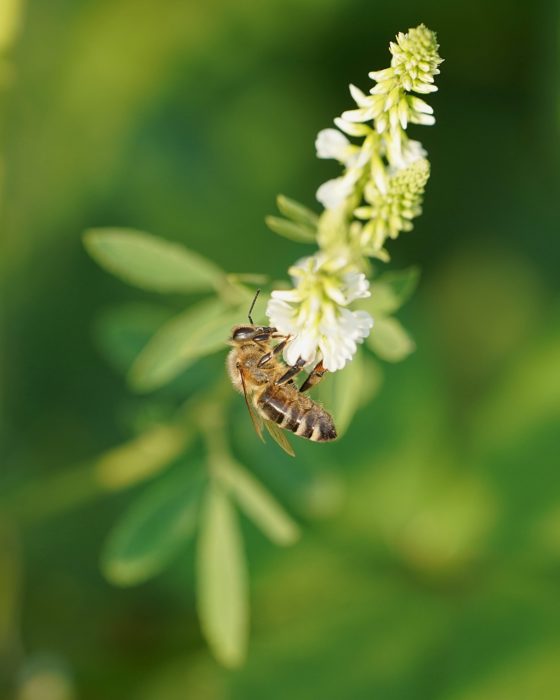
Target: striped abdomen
<point x="296" y="412"/>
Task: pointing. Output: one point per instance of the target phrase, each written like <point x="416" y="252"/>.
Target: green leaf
<point x="389" y="340"/>
<point x="152" y="532"/>
<point x="222" y="589"/>
<point x="142" y="457"/>
<point x="259" y="504"/>
<point x="152" y="263"/>
<point x="297" y="212"/>
<point x="390" y="291"/>
<point x="372" y="375"/>
<point x="342" y="392"/>
<point x="201" y="330"/>
<point x="295" y="232"/>
<point x="403" y="282"/>
<point x="122" y="331"/>
<point x="401" y="285"/>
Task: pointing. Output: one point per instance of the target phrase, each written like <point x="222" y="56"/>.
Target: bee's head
<point x="240" y="334"/>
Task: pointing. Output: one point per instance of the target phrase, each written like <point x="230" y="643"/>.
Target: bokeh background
<point x="430" y="563"/>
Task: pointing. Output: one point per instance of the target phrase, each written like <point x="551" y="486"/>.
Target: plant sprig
<point x="197" y="484"/>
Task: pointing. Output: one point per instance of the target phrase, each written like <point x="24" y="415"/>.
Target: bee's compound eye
<point x="243" y="333"/>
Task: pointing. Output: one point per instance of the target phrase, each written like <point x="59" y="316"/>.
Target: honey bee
<point x="271" y="395"/>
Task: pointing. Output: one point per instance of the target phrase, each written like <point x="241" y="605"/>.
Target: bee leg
<point x="275" y="351"/>
<point x="315" y="376"/>
<point x="295" y="369"/>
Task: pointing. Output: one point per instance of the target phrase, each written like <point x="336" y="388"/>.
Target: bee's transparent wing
<point x="255" y="418"/>
<point x="276" y="434"/>
<point x="279" y="437"/>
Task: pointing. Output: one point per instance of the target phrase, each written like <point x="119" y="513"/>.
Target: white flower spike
<point x="386" y="113"/>
<point x="377" y="196"/>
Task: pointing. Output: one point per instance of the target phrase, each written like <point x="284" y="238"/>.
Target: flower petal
<point x="330" y="143"/>
<point x="334" y="192"/>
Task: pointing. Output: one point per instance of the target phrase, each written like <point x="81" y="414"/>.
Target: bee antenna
<point x="252" y="306"/>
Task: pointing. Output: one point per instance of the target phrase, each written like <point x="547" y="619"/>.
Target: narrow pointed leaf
<point x="403" y="283"/>
<point x="297" y="212"/>
<point x="295" y="232"/>
<point x="389" y="340"/>
<point x="152" y="532"/>
<point x="122" y="331"/>
<point x="222" y="590"/>
<point x="152" y="263"/>
<point x="372" y="379"/>
<point x="390" y="291"/>
<point x="259" y="504"/>
<point x="141" y="458"/>
<point x="199" y="331"/>
<point x="398" y="287"/>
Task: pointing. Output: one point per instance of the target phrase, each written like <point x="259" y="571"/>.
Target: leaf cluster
<point x="201" y="498"/>
<point x="201" y="485"/>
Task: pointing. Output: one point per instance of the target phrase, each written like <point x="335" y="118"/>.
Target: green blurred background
<point x="430" y="562"/>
